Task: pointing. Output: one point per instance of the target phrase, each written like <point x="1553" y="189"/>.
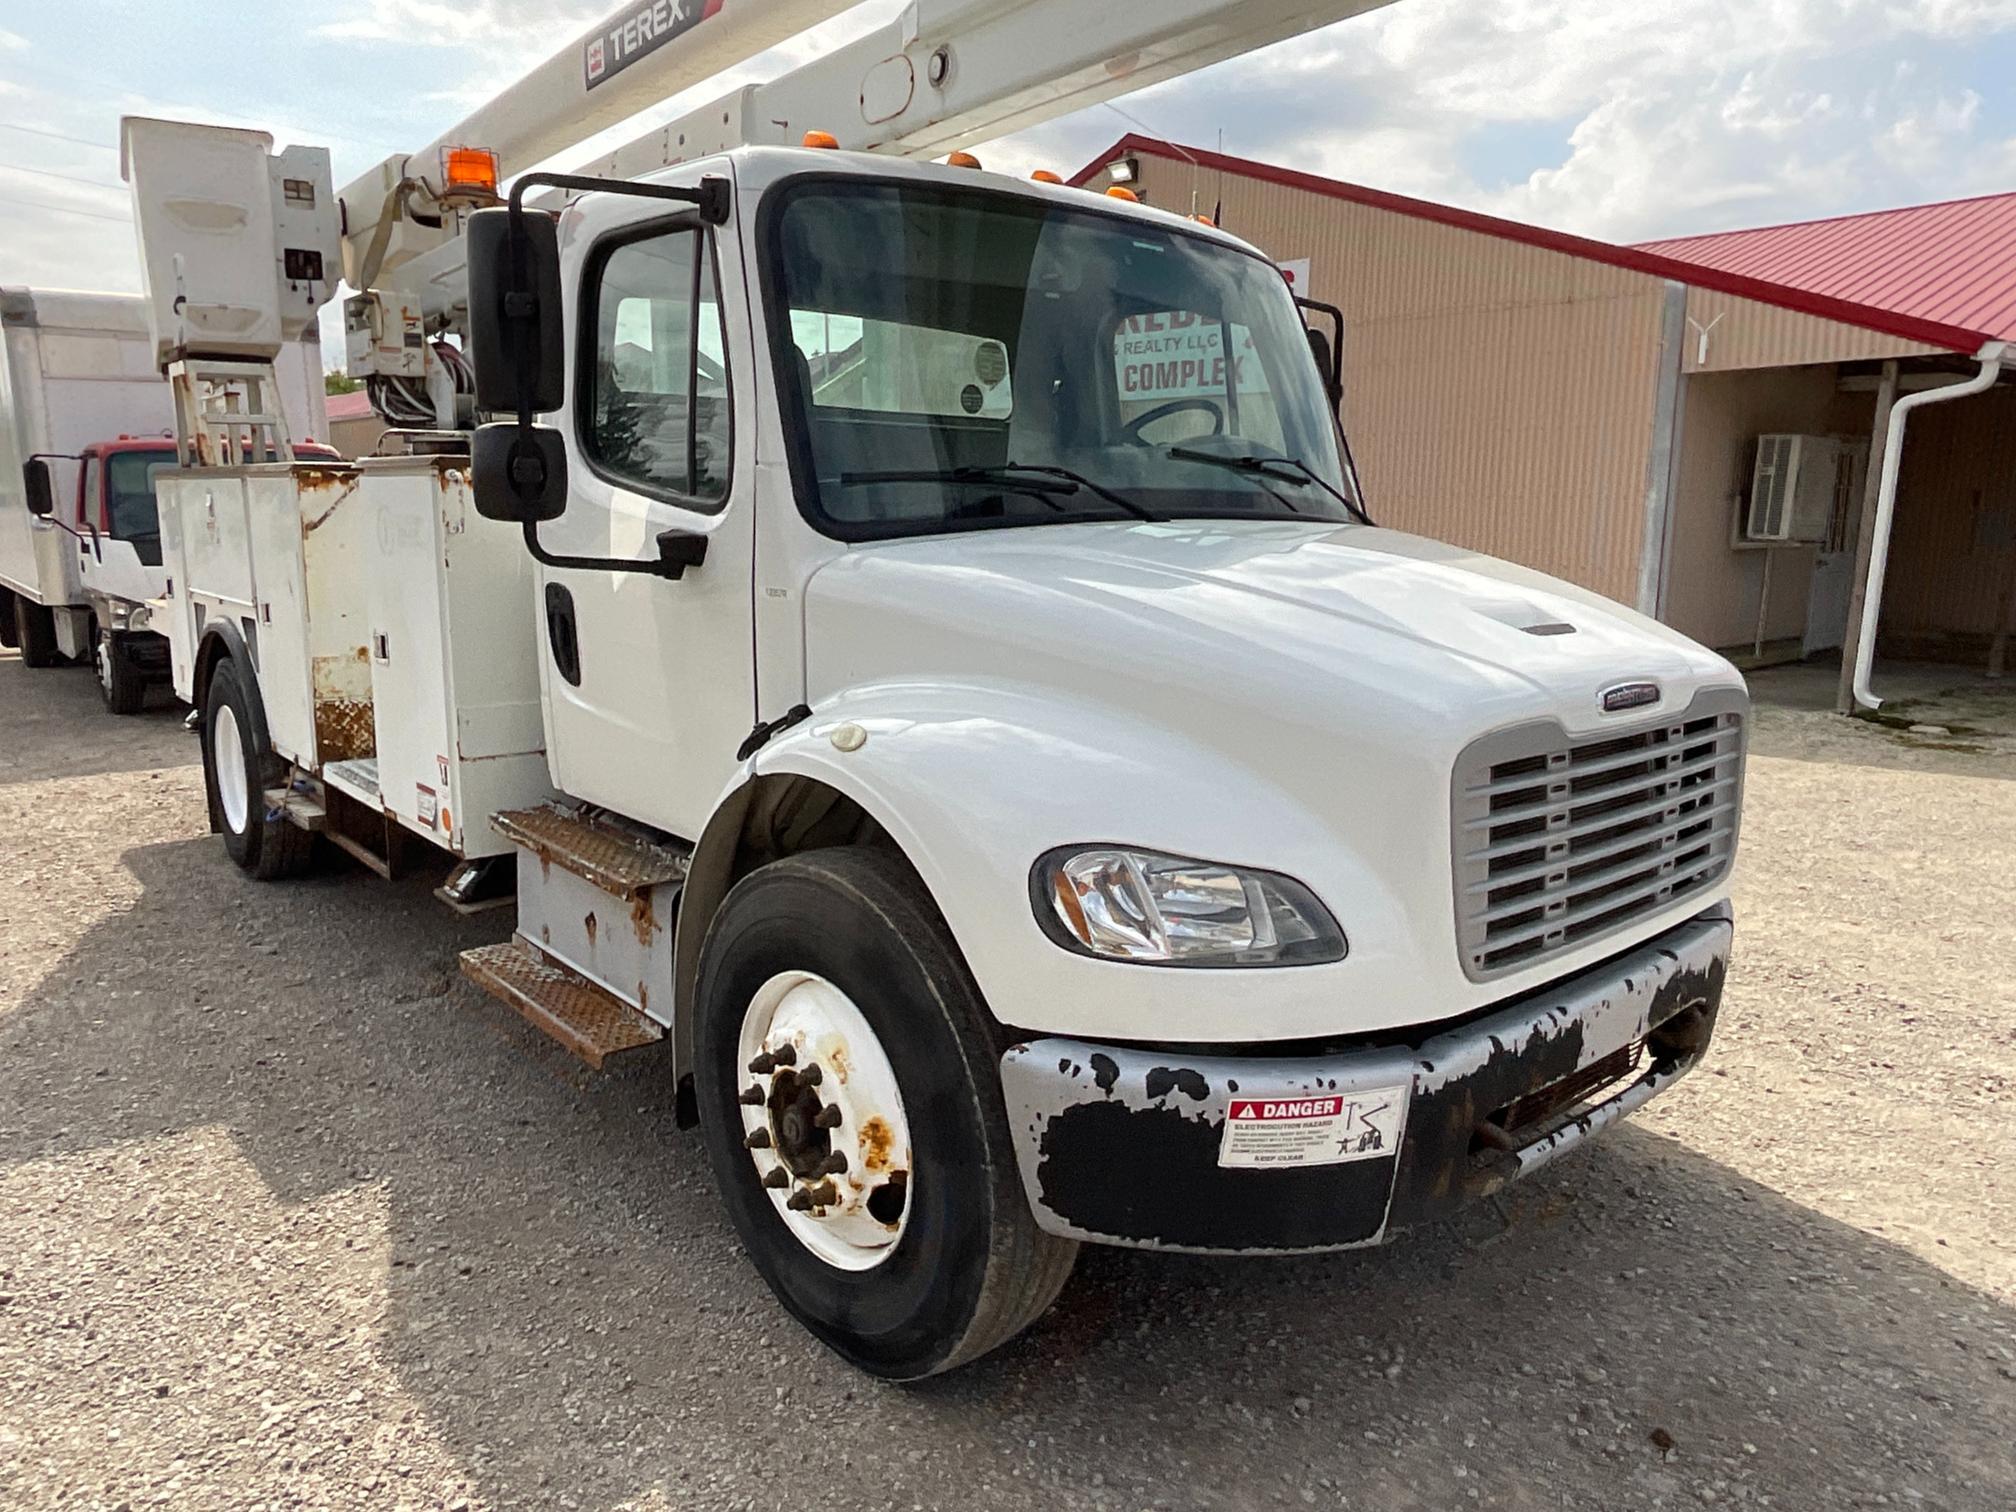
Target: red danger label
<point x="1258" y="1111"/>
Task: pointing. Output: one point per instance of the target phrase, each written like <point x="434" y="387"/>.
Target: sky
<point x="1618" y="120"/>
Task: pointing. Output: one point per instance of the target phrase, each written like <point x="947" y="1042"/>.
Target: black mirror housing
<point x="500" y="300"/>
<point x="519" y="473"/>
<point x="41" y="487"/>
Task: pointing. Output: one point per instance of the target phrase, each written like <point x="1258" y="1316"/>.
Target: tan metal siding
<point x="1741" y="333"/>
<point x="1499" y="396"/>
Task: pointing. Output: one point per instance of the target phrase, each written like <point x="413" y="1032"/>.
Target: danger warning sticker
<point x="1314" y="1129"/>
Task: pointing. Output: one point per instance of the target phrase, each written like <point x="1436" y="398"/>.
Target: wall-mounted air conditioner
<point x="1792" y="489"/>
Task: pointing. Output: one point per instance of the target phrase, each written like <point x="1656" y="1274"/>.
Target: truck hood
<point x="1248" y="612"/>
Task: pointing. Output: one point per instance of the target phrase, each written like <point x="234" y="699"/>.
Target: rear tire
<point x="35" y="633"/>
<point x="123" y="684"/>
<point x="10" y="639"/>
<point x="238" y="768"/>
<point x="968" y="1268"/>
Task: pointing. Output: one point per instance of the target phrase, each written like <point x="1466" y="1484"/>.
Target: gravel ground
<point x="292" y="1216"/>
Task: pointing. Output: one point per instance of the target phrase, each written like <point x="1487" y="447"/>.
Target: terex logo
<point x="639" y="31"/>
<point x="1267" y="1112"/>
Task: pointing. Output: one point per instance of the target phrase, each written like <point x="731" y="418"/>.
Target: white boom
<point x="943" y="74"/>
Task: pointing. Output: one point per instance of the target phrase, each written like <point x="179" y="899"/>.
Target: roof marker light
<point x="823" y="140"/>
<point x="1116" y="192"/>
<point x="1045" y="176"/>
<point x="962" y="160"/>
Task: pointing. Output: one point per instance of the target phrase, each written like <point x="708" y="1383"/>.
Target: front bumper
<point x="1126" y="1145"/>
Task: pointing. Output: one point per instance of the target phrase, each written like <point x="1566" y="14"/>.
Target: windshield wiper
<point x="1014" y="476"/>
<point x="1254" y="465"/>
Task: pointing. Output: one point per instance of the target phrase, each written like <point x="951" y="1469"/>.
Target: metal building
<point x="1693" y="427"/>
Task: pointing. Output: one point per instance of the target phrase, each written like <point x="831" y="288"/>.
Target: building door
<point x="1834" y="563"/>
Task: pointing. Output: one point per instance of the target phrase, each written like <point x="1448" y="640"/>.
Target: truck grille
<point x="1559" y="843"/>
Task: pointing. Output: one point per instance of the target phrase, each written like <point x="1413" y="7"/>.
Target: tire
<point x="123" y="684"/>
<point x="969" y="1268"/>
<point x="10" y="638"/>
<point x="35" y="633"/>
<point x="237" y="769"/>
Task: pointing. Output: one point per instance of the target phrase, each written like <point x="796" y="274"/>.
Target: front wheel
<point x="848" y="1079"/>
<point x="238" y="768"/>
<point x="123" y="684"/>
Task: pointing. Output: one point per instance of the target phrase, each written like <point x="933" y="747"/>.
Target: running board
<point x="588" y="1020"/>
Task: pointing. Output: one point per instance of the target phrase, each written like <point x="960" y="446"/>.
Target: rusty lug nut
<point x="778" y="1179"/>
<point x="758" y="1139"/>
<point x="833" y="1165"/>
<point x="799" y="1202"/>
<point x="753" y="1098"/>
<point x="785" y="1055"/>
<point x="763" y="1065"/>
<point x="823" y="1195"/>
<point x="812" y="1075"/>
<point x="827" y="1117"/>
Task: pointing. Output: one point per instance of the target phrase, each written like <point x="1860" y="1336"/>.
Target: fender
<point x="222" y="641"/>
<point x="975" y="783"/>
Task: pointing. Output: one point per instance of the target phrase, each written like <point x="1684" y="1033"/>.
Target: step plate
<point x="573" y="1010"/>
<point x="613" y="859"/>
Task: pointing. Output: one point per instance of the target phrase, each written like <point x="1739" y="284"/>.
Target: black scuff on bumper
<point x="1123" y="1145"/>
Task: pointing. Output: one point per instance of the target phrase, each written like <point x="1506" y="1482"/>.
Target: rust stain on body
<point x="346" y="728"/>
<point x="645" y="921"/>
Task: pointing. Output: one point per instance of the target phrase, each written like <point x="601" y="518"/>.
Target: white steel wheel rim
<point x="105" y="664"/>
<point x="227" y="756"/>
<point x="803" y="1045"/>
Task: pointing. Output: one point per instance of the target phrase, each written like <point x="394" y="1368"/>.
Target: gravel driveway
<point x="292" y="1216"/>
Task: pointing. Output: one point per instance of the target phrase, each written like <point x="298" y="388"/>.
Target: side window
<point x="656" y="410"/>
<point x="1204" y="373"/>
<point x="93" y="502"/>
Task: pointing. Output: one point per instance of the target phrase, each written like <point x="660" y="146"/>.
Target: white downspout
<point x="1990" y="357"/>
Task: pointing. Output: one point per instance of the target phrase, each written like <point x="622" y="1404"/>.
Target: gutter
<point x="1991" y="357"/>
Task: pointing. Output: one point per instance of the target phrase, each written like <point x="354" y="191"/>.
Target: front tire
<point x="238" y="768"/>
<point x="814" y="953"/>
<point x="123" y="684"/>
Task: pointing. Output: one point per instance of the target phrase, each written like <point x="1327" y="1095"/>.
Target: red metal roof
<point x="355" y="405"/>
<point x="1953" y="262"/>
<point x="1657" y="260"/>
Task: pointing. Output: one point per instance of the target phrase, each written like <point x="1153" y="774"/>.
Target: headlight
<point x="1156" y="910"/>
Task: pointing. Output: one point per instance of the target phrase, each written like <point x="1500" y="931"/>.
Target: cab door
<point x="649" y="682"/>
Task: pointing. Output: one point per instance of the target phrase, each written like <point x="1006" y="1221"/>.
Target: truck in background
<point x="1026" y="813"/>
<point x="86" y="422"/>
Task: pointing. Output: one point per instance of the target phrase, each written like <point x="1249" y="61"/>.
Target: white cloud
<point x="11" y="41"/>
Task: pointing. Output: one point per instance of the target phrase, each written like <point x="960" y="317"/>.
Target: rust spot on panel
<point x="588" y="923"/>
<point x="643" y="919"/>
<point x="345" y="729"/>
<point x="876" y="1143"/>
<point x="316" y="480"/>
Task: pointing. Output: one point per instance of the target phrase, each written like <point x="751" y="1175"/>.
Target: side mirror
<point x="516" y="342"/>
<point x="1326" y="361"/>
<point x="41" y="487"/>
<point x="519" y="472"/>
<point x="1327" y="347"/>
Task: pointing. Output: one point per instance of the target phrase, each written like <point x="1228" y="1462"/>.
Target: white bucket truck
<point x="1025" y="816"/>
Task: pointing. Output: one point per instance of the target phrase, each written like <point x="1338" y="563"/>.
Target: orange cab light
<point x="1205" y="220"/>
<point x="1116" y="192"/>
<point x="1045" y="176"/>
<point x="962" y="160"/>
<point x="824" y="140"/>
<point x="467" y="168"/>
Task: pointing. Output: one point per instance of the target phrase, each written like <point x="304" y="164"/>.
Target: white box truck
<point x="1021" y="814"/>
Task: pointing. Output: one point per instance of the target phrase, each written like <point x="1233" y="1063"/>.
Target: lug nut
<point x="753" y="1098"/>
<point x="799" y="1202"/>
<point x="827" y="1117"/>
<point x="785" y="1055"/>
<point x="833" y="1165"/>
<point x="777" y="1179"/>
<point x="823" y="1195"/>
<point x="812" y="1075"/>
<point x="758" y="1139"/>
<point x="763" y="1065"/>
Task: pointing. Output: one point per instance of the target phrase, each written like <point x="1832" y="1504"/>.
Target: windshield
<point x="130" y="512"/>
<point x="963" y="360"/>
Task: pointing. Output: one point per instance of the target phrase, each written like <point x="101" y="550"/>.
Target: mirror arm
<point x="677" y="550"/>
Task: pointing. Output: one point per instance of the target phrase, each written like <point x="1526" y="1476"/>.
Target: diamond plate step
<point x="614" y="859"/>
<point x="570" y="1008"/>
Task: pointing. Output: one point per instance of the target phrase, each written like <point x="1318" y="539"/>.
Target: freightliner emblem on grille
<point x="1631" y="695"/>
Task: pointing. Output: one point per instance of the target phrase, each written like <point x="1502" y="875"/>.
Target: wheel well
<point x="214" y="649"/>
<point x="769" y="819"/>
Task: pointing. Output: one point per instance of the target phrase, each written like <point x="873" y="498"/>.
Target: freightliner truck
<point x="1025" y="806"/>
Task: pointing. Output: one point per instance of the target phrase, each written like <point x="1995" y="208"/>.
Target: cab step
<point x="588" y="1020"/>
<point x="604" y="854"/>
